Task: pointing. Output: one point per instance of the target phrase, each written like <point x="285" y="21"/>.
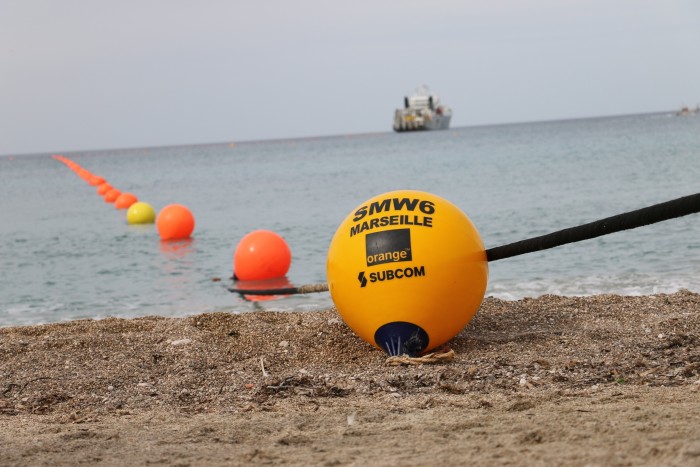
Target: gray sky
<point x="94" y="74"/>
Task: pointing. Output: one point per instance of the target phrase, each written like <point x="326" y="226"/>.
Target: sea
<point x="66" y="254"/>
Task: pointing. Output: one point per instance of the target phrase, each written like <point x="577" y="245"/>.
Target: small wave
<point x="633" y="285"/>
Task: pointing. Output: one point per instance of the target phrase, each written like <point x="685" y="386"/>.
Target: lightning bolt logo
<point x="361" y="278"/>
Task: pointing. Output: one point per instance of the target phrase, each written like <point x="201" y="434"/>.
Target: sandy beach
<point x="603" y="380"/>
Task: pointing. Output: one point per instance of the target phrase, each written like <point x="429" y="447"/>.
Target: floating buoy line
<point x="174" y="222"/>
<point x="406" y="270"/>
<point x="626" y="221"/>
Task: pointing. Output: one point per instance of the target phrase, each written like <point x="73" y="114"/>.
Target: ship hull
<point x="439" y="122"/>
<point x="408" y="121"/>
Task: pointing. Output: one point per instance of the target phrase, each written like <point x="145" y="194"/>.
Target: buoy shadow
<point x="267" y="284"/>
<point x="177" y="248"/>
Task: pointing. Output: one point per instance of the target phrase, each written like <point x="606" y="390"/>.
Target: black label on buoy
<point x="391" y="274"/>
<point x="379" y="222"/>
<point x="388" y="246"/>
<point x="395" y="204"/>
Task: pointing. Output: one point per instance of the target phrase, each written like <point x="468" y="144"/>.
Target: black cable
<point x="302" y="289"/>
<point x="629" y="220"/>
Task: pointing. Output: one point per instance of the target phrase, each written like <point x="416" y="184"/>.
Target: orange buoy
<point x="104" y="188"/>
<point x="125" y="200"/>
<point x="175" y="222"/>
<point x="112" y="195"/>
<point x="84" y="174"/>
<point x="260" y="255"/>
<point x="96" y="180"/>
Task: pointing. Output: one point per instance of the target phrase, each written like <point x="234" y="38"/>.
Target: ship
<point x="422" y="111"/>
<point x="685" y="111"/>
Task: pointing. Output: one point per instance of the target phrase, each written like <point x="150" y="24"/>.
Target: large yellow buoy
<point x="407" y="271"/>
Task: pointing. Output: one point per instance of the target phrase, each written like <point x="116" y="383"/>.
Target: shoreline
<point x="559" y="380"/>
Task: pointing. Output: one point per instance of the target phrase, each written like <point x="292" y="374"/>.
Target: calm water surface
<point x="66" y="254"/>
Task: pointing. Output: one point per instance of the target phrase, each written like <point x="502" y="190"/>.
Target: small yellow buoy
<point x="140" y="213"/>
<point x="407" y="271"/>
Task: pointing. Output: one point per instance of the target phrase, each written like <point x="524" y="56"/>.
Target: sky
<point x="84" y="75"/>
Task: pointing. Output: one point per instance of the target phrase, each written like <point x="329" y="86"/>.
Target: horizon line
<point x="330" y="136"/>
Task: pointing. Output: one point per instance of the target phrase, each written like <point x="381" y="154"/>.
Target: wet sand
<point x="604" y="380"/>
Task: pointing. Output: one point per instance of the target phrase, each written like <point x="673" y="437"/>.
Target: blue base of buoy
<point x="401" y="338"/>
